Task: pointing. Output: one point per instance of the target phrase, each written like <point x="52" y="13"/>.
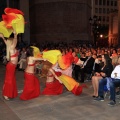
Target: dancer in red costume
<point x="68" y="81"/>
<point x="62" y="62"/>
<point x="53" y="85"/>
<point x="31" y="82"/>
<point x="10" y="87"/>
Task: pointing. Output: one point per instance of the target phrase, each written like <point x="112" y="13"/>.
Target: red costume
<point x="71" y="84"/>
<point x="10" y="87"/>
<point x="77" y="90"/>
<point x="53" y="88"/>
<point x="31" y="87"/>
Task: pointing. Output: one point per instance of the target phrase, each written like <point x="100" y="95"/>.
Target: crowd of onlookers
<point x="94" y="62"/>
<point x="82" y="51"/>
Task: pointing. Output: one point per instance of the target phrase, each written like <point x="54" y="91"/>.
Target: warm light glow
<point x="101" y="36"/>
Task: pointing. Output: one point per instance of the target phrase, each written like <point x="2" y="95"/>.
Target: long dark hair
<point x="107" y="59"/>
<point x="29" y="52"/>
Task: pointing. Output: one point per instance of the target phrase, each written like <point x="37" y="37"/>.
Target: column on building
<point x="24" y="6"/>
<point x="119" y="22"/>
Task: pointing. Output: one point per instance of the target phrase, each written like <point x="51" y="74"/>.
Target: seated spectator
<point x="38" y="67"/>
<point x="98" y="63"/>
<point x="111" y="85"/>
<point x="83" y="56"/>
<point x="105" y="71"/>
<point x="87" y="67"/>
<point x="4" y="60"/>
<point x="22" y="61"/>
<point x="114" y="57"/>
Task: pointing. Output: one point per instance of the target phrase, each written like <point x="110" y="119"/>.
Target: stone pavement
<point x="62" y="107"/>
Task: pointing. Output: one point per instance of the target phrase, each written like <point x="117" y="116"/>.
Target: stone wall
<point x="59" y="20"/>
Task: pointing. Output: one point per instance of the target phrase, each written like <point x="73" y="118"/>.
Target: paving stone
<point x="62" y="107"/>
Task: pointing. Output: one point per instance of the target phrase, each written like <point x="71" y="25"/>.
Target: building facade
<point x="60" y="20"/>
<point x="119" y="22"/>
<point x="107" y="12"/>
<point x="66" y="20"/>
<point x="114" y="27"/>
<point x="102" y="8"/>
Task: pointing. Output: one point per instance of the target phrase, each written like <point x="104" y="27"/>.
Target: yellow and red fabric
<point x="12" y="10"/>
<point x="65" y="61"/>
<point x="76" y="59"/>
<point x="52" y="55"/>
<point x="5" y="31"/>
<point x="71" y="84"/>
<point x="12" y="19"/>
<point x="36" y="52"/>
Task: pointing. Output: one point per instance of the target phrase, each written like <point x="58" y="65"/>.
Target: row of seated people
<point x="114" y="56"/>
<point x="102" y="66"/>
<point x="93" y="63"/>
<point x="106" y="74"/>
<point x="112" y="84"/>
<point x="89" y="63"/>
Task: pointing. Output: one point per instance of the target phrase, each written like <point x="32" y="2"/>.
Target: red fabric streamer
<point x="12" y="10"/>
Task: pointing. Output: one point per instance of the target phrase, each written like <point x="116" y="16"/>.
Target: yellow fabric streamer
<point x="6" y="32"/>
<point x="18" y="24"/>
<point x="36" y="51"/>
<point x="51" y="55"/>
<point x="69" y="82"/>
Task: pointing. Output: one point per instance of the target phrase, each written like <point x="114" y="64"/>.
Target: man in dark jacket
<point x="87" y="67"/>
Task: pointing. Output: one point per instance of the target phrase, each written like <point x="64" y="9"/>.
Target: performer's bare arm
<point x="2" y="36"/>
<point x="34" y="58"/>
<point x="51" y="70"/>
<point x="14" y="43"/>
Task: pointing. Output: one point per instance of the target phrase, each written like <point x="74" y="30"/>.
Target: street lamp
<point x="95" y="25"/>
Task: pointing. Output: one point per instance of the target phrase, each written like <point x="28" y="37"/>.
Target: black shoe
<point x="95" y="96"/>
<point x="99" y="99"/>
<point x="112" y="103"/>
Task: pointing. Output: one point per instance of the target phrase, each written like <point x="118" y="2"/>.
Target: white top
<point x="116" y="72"/>
<point x="56" y="67"/>
<point x="80" y="62"/>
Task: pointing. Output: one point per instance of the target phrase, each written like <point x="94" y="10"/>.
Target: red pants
<point x="31" y="87"/>
<point x="53" y="88"/>
<point x="10" y="87"/>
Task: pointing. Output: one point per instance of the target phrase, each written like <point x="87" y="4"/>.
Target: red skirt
<point x="77" y="90"/>
<point x="53" y="88"/>
<point x="31" y="87"/>
<point x="10" y="87"/>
